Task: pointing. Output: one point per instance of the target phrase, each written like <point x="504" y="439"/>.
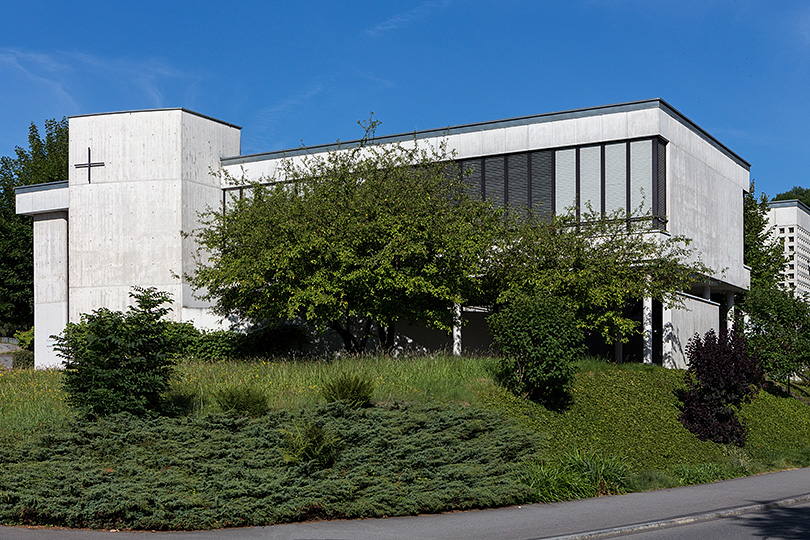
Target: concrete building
<point x="790" y="224"/>
<point x="139" y="178"/>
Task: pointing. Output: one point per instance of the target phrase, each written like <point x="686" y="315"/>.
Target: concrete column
<point x="50" y="285"/>
<point x="646" y="321"/>
<point x="707" y="292"/>
<point x="730" y="310"/>
<point x="456" y="330"/>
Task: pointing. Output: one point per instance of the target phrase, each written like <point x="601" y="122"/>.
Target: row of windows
<point x="626" y="176"/>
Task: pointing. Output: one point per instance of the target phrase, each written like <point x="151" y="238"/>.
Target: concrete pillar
<point x="730" y="310"/>
<point x="456" y="330"/>
<point x="707" y="292"/>
<point x="50" y="285"/>
<point x="646" y="321"/>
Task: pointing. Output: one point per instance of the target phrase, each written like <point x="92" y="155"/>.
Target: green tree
<point x="778" y="321"/>
<point x="45" y="160"/>
<point x="800" y="193"/>
<point x="778" y="330"/>
<point x="118" y="361"/>
<point x="600" y="264"/>
<point x="762" y="252"/>
<point x="353" y="240"/>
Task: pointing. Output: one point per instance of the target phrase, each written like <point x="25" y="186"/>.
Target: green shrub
<point x="22" y="359"/>
<point x="26" y="339"/>
<point x="355" y="390"/>
<point x="182" y="402"/>
<point x="118" y="362"/>
<point x="539" y="343"/>
<point x="701" y="473"/>
<point x="309" y="443"/>
<point x="720" y="378"/>
<point x="575" y="476"/>
<point x="243" y="400"/>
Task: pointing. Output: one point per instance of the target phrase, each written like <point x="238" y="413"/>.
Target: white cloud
<point x="401" y="19"/>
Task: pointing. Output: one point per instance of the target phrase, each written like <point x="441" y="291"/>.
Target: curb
<point x="683" y="520"/>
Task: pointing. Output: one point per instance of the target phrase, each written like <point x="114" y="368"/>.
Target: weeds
<point x="242" y="399"/>
<point x="355" y="390"/>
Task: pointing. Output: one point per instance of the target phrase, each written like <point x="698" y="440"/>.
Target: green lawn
<point x="441" y="436"/>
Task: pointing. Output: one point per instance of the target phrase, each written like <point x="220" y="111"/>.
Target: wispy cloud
<point x="267" y="119"/>
<point x="401" y="19"/>
<point x="77" y="80"/>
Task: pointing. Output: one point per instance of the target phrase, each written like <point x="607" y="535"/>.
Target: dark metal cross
<point x="89" y="165"/>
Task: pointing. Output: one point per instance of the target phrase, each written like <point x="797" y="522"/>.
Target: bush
<point x="26" y="339"/>
<point x="309" y="443"/>
<point x="354" y="390"/>
<point x="22" y="359"/>
<point x="539" y="342"/>
<point x="721" y="377"/>
<point x="243" y="400"/>
<point x="118" y="362"/>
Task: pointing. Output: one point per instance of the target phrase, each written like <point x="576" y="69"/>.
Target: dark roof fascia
<point x="788" y="203"/>
<point x="195" y="113"/>
<point x="45" y="186"/>
<point x="496" y="124"/>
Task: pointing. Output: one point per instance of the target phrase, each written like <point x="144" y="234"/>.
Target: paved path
<point x="591" y="518"/>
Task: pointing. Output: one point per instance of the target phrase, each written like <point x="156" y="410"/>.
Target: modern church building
<point x="138" y="179"/>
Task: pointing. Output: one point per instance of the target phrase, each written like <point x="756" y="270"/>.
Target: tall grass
<point x="31" y="400"/>
<point x="296" y="384"/>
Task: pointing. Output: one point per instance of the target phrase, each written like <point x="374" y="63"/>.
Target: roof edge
<point x="494" y="124"/>
<point x="182" y="109"/>
<point x="44" y="186"/>
<point x="788" y="203"/>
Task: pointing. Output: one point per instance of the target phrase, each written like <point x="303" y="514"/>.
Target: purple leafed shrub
<point x="722" y="375"/>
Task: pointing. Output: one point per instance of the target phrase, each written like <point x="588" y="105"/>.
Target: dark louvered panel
<point x="565" y="180"/>
<point x="542" y="179"/>
<point x="661" y="203"/>
<point x="471" y="168"/>
<point x="518" y="169"/>
<point x="615" y="178"/>
<point x="641" y="177"/>
<point x="590" y="180"/>
<point x="494" y="174"/>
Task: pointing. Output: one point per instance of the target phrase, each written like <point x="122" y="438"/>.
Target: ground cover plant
<point x="440" y="435"/>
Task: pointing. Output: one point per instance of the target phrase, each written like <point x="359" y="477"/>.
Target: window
<point x="624" y="176"/>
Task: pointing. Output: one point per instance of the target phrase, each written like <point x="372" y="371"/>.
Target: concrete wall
<point x="705" y="200"/>
<point x="50" y="285"/>
<point x="126" y="224"/>
<point x="697" y="316"/>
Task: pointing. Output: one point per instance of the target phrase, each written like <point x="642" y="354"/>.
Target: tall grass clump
<point x="350" y="388"/>
<point x="575" y="475"/>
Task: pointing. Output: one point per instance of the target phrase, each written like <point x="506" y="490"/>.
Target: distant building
<point x="790" y="224"/>
<point x="138" y="180"/>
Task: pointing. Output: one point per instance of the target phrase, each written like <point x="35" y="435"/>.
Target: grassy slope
<point x="210" y="470"/>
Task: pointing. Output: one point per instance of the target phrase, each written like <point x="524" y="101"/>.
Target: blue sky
<point x="293" y="71"/>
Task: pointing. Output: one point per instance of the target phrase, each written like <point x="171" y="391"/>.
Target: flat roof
<point x="788" y="203"/>
<point x="496" y="124"/>
<point x="44" y="186"/>
<point x="161" y="110"/>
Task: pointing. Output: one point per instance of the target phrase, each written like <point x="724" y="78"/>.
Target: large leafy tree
<point x="45" y="160"/>
<point x="762" y="252"/>
<point x="778" y="321"/>
<point x="352" y="240"/>
<point x="601" y="264"/>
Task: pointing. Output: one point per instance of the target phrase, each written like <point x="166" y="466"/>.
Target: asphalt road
<point x="730" y="509"/>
